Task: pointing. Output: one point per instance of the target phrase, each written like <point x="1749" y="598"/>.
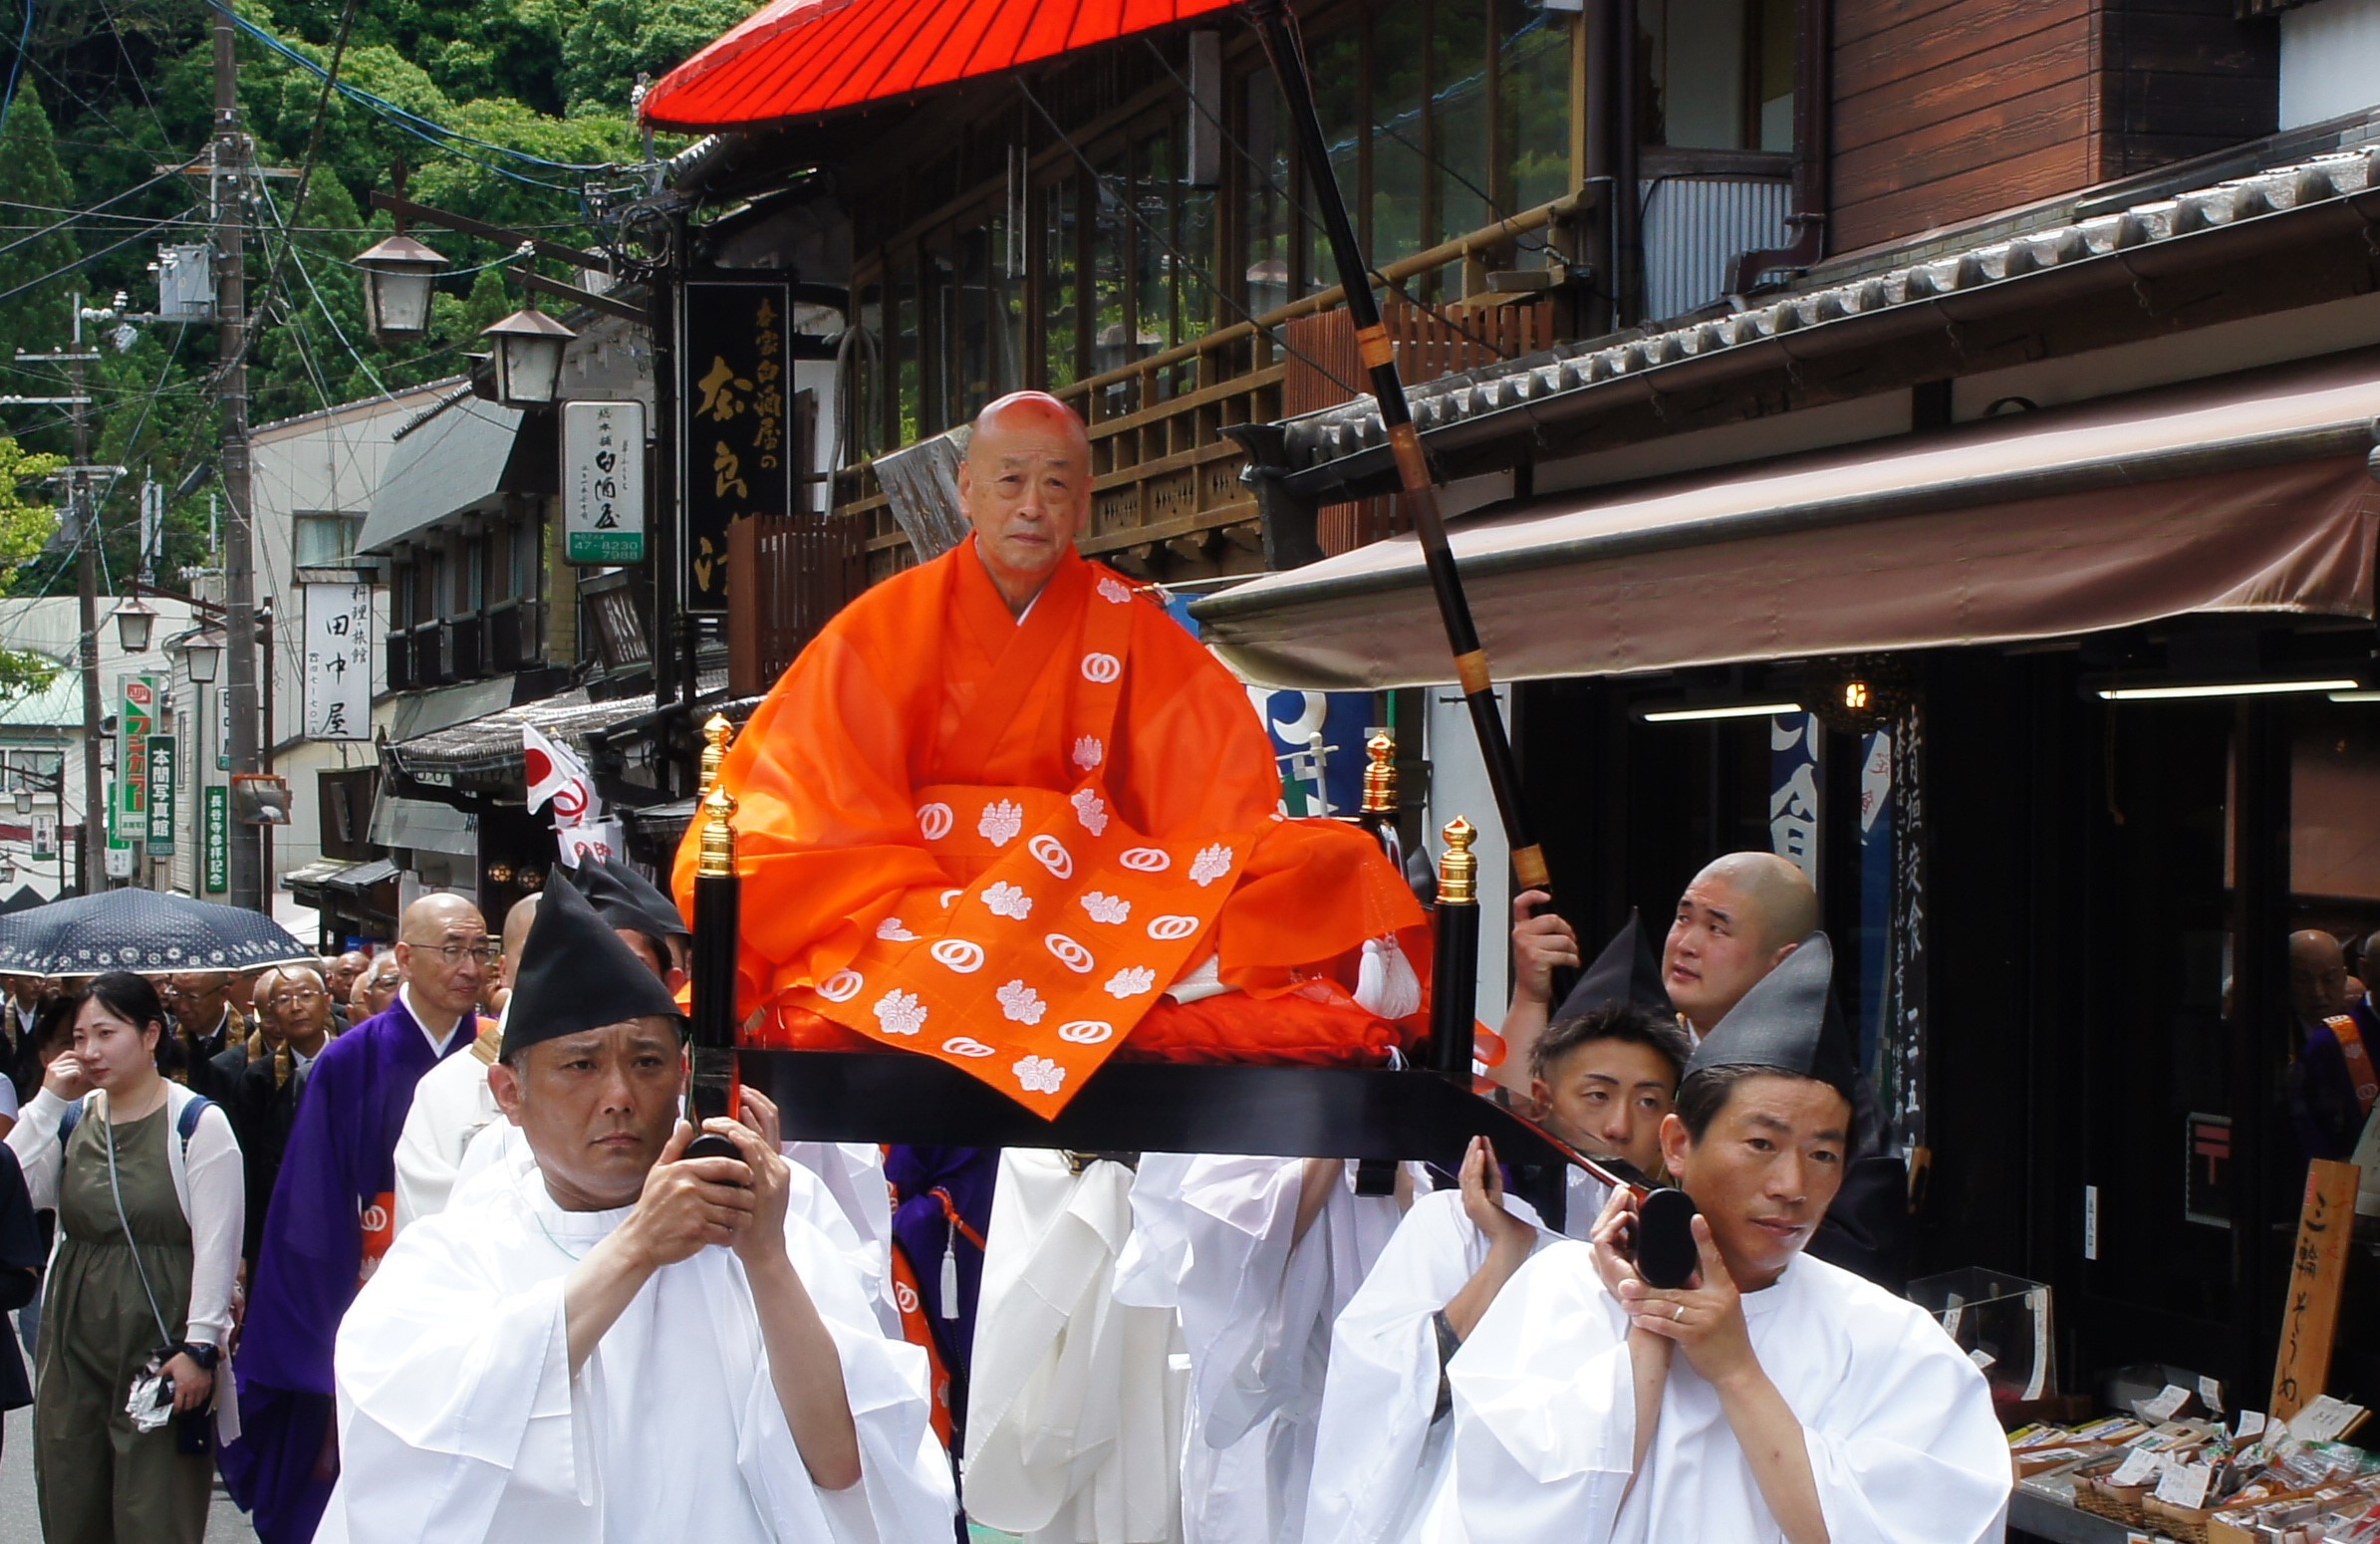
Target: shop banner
<point x="603" y="482"/>
<point x="163" y="764"/>
<point x="45" y="835"/>
<point x="338" y="661"/>
<point x="136" y="720"/>
<point x="217" y="838"/>
<point x="736" y="423"/>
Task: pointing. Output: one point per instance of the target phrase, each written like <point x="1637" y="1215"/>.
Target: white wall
<point x="2330" y="59"/>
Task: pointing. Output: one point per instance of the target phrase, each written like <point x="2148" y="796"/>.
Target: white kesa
<point x="338" y="661"/>
<point x="603" y="482"/>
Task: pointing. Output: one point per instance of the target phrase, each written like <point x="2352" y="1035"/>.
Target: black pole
<point x="1455" y="967"/>
<point x="1273" y="27"/>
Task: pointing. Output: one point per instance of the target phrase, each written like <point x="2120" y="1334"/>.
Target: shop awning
<point x="483" y="756"/>
<point x="2245" y="493"/>
<point x="425" y="826"/>
<point x="448" y="462"/>
<point x="794" y="59"/>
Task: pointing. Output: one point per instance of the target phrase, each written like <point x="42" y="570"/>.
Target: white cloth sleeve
<point x="1246" y="1301"/>
<point x="427" y="1155"/>
<point x="1917" y="1455"/>
<point x="218" y="1215"/>
<point x="1545" y="1408"/>
<point x="34" y="1139"/>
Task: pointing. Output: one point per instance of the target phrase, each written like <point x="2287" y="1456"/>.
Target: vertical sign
<point x="736" y="416"/>
<point x="338" y="661"/>
<point x="136" y="720"/>
<point x="222" y="697"/>
<point x="162" y="765"/>
<point x="603" y="482"/>
<point x="45" y="835"/>
<point x="1793" y="789"/>
<point x="216" y="839"/>
<point x="2317" y="1271"/>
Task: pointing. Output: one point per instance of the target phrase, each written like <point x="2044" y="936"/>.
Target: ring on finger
<point x="1678" y="1314"/>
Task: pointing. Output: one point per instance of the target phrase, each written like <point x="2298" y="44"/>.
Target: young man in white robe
<point x="1773" y="1398"/>
<point x="1601" y="1081"/>
<point x="623" y="1344"/>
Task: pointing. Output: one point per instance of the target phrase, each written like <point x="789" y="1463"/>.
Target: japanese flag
<point x="556" y="773"/>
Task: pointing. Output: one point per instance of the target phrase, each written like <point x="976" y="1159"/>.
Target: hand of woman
<point x="194" y="1384"/>
<point x="66" y="1077"/>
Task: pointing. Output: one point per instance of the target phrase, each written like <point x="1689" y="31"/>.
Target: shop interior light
<point x="2359" y="694"/>
<point x="1682" y="715"/>
<point x="2222" y="689"/>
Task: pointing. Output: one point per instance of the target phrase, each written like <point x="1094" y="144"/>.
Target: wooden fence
<point x="792" y="572"/>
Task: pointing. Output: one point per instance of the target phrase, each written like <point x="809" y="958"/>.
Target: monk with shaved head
<point x="1005" y="812"/>
<point x="330" y="1219"/>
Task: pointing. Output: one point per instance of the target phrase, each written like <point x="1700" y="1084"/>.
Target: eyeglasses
<point x="455" y="954"/>
<point x="304" y="995"/>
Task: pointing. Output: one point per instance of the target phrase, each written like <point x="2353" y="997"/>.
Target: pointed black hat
<point x="626" y="899"/>
<point x="1627" y="972"/>
<point x="578" y="974"/>
<point x="1787" y="1021"/>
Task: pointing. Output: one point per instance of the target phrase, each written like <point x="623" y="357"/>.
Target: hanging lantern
<point x="133" y="623"/>
<point x="528" y="356"/>
<point x="397" y="293"/>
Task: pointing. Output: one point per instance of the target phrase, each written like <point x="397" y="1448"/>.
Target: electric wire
<point x="16" y="68"/>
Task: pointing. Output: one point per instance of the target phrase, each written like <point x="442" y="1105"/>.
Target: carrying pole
<point x="1378" y="356"/>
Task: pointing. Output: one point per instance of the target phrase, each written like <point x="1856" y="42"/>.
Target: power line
<point x="16" y="68"/>
<point x="63" y="269"/>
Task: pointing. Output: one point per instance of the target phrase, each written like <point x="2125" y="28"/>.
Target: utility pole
<point x="94" y="843"/>
<point x="229" y="183"/>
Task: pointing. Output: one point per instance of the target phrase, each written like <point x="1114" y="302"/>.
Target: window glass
<point x="323" y="537"/>
<point x="1695" y="56"/>
<point x="1194" y="274"/>
<point x="1337" y="64"/>
<point x="1154" y="265"/>
<point x="1111" y="256"/>
<point x="1061" y="296"/>
<point x="976" y="349"/>
<point x="1779" y="38"/>
<point x="1458" y="42"/>
<point x="1401" y="131"/>
<point x="909" y="403"/>
<point x="1533" y="101"/>
<point x="1005" y="305"/>
<point x="1264" y="204"/>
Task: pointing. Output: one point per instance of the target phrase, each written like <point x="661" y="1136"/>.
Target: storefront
<point x="2070" y="714"/>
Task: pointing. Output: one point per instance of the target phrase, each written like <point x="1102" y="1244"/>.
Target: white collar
<point x="438" y="1044"/>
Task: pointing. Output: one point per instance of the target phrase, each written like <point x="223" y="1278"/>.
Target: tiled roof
<point x="1569" y="372"/>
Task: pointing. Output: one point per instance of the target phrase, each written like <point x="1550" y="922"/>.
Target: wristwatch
<point x="204" y="1355"/>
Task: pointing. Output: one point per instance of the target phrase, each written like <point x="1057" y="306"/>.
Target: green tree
<point x="34" y="315"/>
<point x="25" y="525"/>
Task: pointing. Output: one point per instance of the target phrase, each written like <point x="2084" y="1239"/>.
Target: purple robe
<point x="922" y="1229"/>
<point x="342" y="1154"/>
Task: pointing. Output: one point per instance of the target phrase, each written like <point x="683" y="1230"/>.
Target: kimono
<point x="1382" y="1453"/>
<point x="1898" y="1422"/>
<point x="460" y="1418"/>
<point x="997" y="841"/>
<point x="331" y="1218"/>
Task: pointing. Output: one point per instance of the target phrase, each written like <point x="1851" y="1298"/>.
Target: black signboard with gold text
<point x="735" y="408"/>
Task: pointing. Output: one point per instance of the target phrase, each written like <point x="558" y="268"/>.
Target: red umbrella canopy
<point x="793" y="59"/>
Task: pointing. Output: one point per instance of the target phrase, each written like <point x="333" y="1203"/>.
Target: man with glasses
<point x="332" y="1214"/>
<point x="293" y="1016"/>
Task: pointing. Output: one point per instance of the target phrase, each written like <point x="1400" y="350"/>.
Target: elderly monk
<point x="1003" y="803"/>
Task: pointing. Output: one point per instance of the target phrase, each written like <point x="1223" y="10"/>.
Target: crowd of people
<point x="460" y="1265"/>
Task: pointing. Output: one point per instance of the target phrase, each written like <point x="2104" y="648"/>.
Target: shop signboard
<point x="45" y="835"/>
<point x="338" y="661"/>
<point x="163" y="765"/>
<point x="603" y="482"/>
<point x="217" y="838"/>
<point x="136" y="706"/>
<point x="736" y="410"/>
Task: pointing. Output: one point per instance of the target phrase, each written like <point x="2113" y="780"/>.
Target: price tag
<point x="2251" y="1425"/>
<point x="2185" y="1485"/>
<point x="2160" y="1408"/>
<point x="2211" y="1395"/>
<point x="2324" y="1419"/>
<point x="2138" y="1468"/>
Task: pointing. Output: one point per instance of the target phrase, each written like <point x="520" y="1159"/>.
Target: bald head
<point x="517" y="922"/>
<point x="2317" y="975"/>
<point x="1740" y="916"/>
<point x="1026" y="488"/>
<point x="441" y="946"/>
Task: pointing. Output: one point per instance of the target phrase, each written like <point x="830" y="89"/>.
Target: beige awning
<point x="2243" y="493"/>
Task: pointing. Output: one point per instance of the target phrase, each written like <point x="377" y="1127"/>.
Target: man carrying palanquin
<point x="1003" y="803"/>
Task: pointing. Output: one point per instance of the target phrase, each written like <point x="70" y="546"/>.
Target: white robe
<point x="1215" y="1236"/>
<point x="1381" y="1462"/>
<point x="460" y="1419"/>
<point x="1899" y="1423"/>
<point x="452" y="1103"/>
<point x="1074" y="1405"/>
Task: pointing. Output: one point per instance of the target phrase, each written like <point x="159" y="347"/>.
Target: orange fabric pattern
<point x="997" y="841"/>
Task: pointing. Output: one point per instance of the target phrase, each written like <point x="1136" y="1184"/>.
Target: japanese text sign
<point x="338" y="661"/>
<point x="736" y="408"/>
<point x="136" y="707"/>
<point x="603" y="482"/>
<point x="163" y="764"/>
<point x="217" y="843"/>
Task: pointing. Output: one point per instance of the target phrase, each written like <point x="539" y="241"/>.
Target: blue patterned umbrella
<point x="141" y="930"/>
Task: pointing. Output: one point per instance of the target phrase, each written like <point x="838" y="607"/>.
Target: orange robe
<point x="998" y="842"/>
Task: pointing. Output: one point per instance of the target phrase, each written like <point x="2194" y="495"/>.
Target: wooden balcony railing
<point x="791" y="575"/>
<point x="1164" y="475"/>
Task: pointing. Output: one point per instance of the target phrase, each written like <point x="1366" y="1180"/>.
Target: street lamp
<point x="203" y="656"/>
<point x="400" y="274"/>
<point x="24" y="800"/>
<point x="528" y="356"/>
<point x="133" y="623"/>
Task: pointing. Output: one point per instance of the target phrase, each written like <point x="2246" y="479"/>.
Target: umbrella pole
<point x="1272" y="23"/>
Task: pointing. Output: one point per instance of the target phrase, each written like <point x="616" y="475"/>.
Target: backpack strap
<point x="188" y="1125"/>
<point x="68" y="1123"/>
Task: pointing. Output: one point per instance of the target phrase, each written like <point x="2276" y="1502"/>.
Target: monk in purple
<point x="332" y="1216"/>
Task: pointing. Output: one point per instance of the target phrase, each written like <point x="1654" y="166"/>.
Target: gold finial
<point x="1459" y="866"/>
<point x="1380" y="774"/>
<point x="716" y="860"/>
<point x="716" y="735"/>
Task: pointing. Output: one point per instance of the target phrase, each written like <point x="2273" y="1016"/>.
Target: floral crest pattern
<point x="1105" y="907"/>
<point x="1092" y="811"/>
<point x="1211" y="864"/>
<point x="900" y="1013"/>
<point x="893" y="931"/>
<point x="1020" y="1004"/>
<point x="1131" y="981"/>
<point x="1038" y="1074"/>
<point x="1113" y="591"/>
<point x="1002" y="820"/>
<point x="1006" y="899"/>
